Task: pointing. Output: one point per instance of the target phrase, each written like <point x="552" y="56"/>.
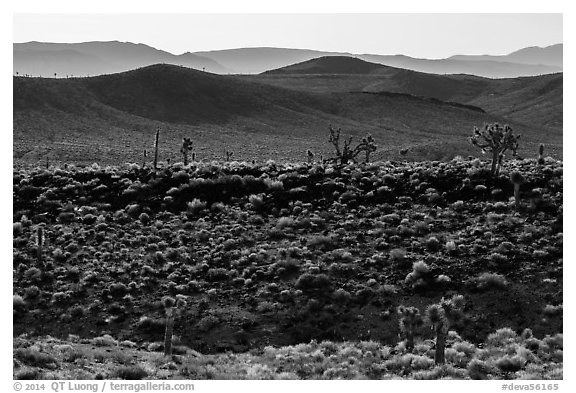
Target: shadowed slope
<point x="112" y="118"/>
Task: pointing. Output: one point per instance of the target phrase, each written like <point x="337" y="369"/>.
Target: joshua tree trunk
<point x="440" y="345"/>
<point x="517" y="195"/>
<point x="494" y="161"/>
<point x="409" y="341"/>
<point x="168" y="333"/>
<point x="156" y="149"/>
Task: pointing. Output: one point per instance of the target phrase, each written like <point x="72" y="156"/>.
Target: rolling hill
<point x="531" y="100"/>
<point x="112" y="119"/>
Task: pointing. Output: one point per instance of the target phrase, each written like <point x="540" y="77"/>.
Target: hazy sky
<point x="419" y="35"/>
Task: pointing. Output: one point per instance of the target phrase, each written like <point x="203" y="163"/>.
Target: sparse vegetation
<point x="287" y="253"/>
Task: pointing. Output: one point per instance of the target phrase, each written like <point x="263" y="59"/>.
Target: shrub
<point x="421" y="275"/>
<point x="17" y="229"/>
<point x="33" y="274"/>
<point x="551" y="310"/>
<point x="322" y="242"/>
<point x="104" y="341"/>
<point x="341" y="296"/>
<point x="397" y="255"/>
<point x="131" y="373"/>
<point x="256" y="201"/>
<point x="478" y="369"/>
<point x="32" y="292"/>
<point x="18" y="304"/>
<point x="28" y="374"/>
<point x="310" y="282"/>
<point x="510" y="363"/>
<point x="34" y="357"/>
<point x="502" y="337"/>
<point x="487" y="281"/>
<point x="144" y="219"/>
<point x="196" y="206"/>
<point x="432" y="243"/>
<point x="207" y="323"/>
<point x="118" y="290"/>
<point x="284" y="222"/>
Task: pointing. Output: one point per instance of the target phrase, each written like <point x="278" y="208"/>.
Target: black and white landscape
<point x="272" y="213"/>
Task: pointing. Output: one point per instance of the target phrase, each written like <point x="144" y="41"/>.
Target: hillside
<point x="272" y="255"/>
<point x="112" y="119"/>
<point x="333" y="65"/>
<point x="530" y="100"/>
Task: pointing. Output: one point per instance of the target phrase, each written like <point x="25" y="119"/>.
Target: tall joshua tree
<point x="348" y="153"/>
<point x="410" y="321"/>
<point x="171" y="306"/>
<point x="497" y="140"/>
<point x="440" y="316"/>
<point x="185" y="149"/>
<point x="156" y="148"/>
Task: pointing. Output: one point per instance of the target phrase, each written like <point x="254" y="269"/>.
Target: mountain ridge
<point x="123" y="56"/>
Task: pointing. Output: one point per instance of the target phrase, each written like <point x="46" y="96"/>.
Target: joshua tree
<point x="348" y="153"/>
<point x="186" y="147"/>
<point x="410" y="320"/>
<point x="440" y="316"/>
<point x="496" y="139"/>
<point x="169" y="307"/>
<point x="369" y="146"/>
<point x="517" y="179"/>
<point x="156" y="148"/>
<point x="144" y="161"/>
<point x="541" y="154"/>
<point x="229" y="154"/>
<point x="310" y="156"/>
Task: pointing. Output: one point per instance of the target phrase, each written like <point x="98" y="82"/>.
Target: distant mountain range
<point x="96" y="58"/>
